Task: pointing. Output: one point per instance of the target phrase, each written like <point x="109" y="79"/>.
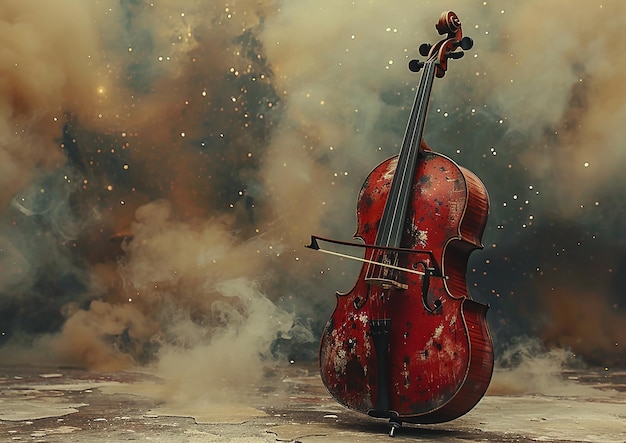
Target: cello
<point x="407" y="343"/>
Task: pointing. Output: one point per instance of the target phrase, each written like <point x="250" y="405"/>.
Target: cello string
<point x="409" y="147"/>
<point x="397" y="199"/>
<point x="391" y="222"/>
<point x="391" y="208"/>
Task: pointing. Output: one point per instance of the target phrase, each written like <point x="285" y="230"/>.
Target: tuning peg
<point x="465" y="43"/>
<point x="415" y="65"/>
<point x="425" y="49"/>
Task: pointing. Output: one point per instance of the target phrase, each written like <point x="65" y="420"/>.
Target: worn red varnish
<point x="440" y="363"/>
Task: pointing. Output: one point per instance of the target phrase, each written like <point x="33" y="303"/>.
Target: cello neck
<point x="392" y="221"/>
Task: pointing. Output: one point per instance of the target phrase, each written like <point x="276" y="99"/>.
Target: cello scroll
<point x="446" y="48"/>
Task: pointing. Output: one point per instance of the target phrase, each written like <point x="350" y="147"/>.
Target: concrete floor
<point x="291" y="405"/>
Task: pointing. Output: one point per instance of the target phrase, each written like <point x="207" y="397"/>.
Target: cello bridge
<point x="385" y="283"/>
<point x="385" y="273"/>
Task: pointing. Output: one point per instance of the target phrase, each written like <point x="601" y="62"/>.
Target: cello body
<point x="407" y="342"/>
<point x="438" y="364"/>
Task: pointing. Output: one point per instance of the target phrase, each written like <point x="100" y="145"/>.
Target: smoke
<point x="528" y="367"/>
<point x="45" y="66"/>
<point x="556" y="81"/>
<point x="164" y="163"/>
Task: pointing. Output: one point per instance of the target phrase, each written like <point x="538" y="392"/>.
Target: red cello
<point x="407" y="342"/>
